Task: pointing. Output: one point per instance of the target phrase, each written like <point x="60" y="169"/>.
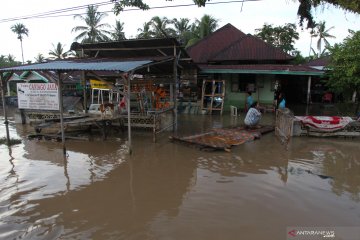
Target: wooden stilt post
<point x="2" y="80"/>
<point x="175" y="91"/>
<point x="308" y="97"/>
<point x="61" y="113"/>
<point x="128" y="78"/>
<point x="83" y="80"/>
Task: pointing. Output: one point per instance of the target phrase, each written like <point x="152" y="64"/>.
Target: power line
<point x="51" y="14"/>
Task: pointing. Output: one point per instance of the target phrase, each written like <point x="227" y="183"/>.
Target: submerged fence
<point x="284" y="125"/>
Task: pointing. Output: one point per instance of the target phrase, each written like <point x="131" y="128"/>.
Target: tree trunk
<point x="22" y="51"/>
<point x="358" y="103"/>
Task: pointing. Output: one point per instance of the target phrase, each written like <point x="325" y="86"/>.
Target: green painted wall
<point x="263" y="94"/>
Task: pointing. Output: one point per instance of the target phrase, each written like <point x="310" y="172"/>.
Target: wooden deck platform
<point x="154" y="121"/>
<point x="223" y="138"/>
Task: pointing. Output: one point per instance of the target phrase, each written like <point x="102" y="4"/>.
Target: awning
<point x="93" y="64"/>
<point x="273" y="69"/>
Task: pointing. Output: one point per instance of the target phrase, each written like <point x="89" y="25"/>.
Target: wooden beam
<point x="130" y="48"/>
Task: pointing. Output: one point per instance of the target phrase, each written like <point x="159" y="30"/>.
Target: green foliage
<point x="8" y="61"/>
<point x="344" y="69"/>
<point x="298" y="59"/>
<point x="323" y="35"/>
<point x="304" y="10"/>
<point x="58" y="52"/>
<point x="118" y="32"/>
<point x="120" y="5"/>
<point x="187" y="33"/>
<point x="93" y="30"/>
<point x="280" y="36"/>
<point x="39" y="58"/>
<point x="20" y="30"/>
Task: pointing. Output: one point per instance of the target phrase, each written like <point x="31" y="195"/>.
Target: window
<point x="243" y="83"/>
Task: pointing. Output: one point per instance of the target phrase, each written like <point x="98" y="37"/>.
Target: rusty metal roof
<point x="131" y="48"/>
<point x="250" y="48"/>
<point x="92" y="64"/>
<point x="211" y="45"/>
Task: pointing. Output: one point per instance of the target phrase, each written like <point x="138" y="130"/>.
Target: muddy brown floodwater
<point x="166" y="190"/>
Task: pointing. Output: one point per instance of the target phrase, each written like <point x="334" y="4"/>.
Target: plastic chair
<point x="233" y="111"/>
<point x="327" y="97"/>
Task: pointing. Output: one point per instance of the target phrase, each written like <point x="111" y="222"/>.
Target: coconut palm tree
<point x="58" y="52"/>
<point x="20" y="30"/>
<point x="146" y="31"/>
<point x="202" y="28"/>
<point x="182" y="28"/>
<point x="40" y="58"/>
<point x="118" y="33"/>
<point x="207" y="25"/>
<point x="160" y="27"/>
<point x="322" y="34"/>
<point x="11" y="58"/>
<point x="93" y="30"/>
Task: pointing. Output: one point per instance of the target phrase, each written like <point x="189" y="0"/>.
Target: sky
<point x="246" y="16"/>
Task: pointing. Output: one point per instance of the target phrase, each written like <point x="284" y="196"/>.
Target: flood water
<point x="167" y="190"/>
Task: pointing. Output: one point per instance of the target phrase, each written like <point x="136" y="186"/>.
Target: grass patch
<point x="12" y="141"/>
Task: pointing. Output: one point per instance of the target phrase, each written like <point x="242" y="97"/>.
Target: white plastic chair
<point x="233" y="111"/>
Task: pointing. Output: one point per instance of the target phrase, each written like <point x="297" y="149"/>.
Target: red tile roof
<point x="229" y="43"/>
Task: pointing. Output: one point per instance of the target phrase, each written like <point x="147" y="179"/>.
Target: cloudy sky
<point x="246" y="16"/>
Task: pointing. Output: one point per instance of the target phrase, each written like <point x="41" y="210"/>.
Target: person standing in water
<point x="253" y="116"/>
<point x="249" y="101"/>
<point x="281" y="101"/>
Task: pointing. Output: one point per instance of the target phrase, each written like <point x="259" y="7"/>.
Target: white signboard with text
<point x="40" y="96"/>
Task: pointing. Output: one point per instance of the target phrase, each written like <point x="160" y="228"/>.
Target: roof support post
<point x="83" y="81"/>
<point x="175" y="89"/>
<point x="308" y="97"/>
<point x="2" y="80"/>
<point x="8" y="88"/>
<point x="61" y="113"/>
<point x="127" y="78"/>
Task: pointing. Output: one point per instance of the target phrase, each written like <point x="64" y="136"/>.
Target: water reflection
<point x="171" y="191"/>
<point x="336" y="160"/>
<point x="119" y="206"/>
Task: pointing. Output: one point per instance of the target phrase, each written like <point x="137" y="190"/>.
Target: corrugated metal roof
<point x="83" y="65"/>
<point x="262" y="69"/>
<point x="323" y="61"/>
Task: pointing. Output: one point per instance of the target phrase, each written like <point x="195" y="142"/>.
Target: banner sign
<point x="100" y="84"/>
<point x="40" y="96"/>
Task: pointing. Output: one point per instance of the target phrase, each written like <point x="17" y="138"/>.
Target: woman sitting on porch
<point x="253" y="116"/>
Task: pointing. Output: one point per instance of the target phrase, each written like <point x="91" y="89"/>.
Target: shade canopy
<point x="94" y="64"/>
